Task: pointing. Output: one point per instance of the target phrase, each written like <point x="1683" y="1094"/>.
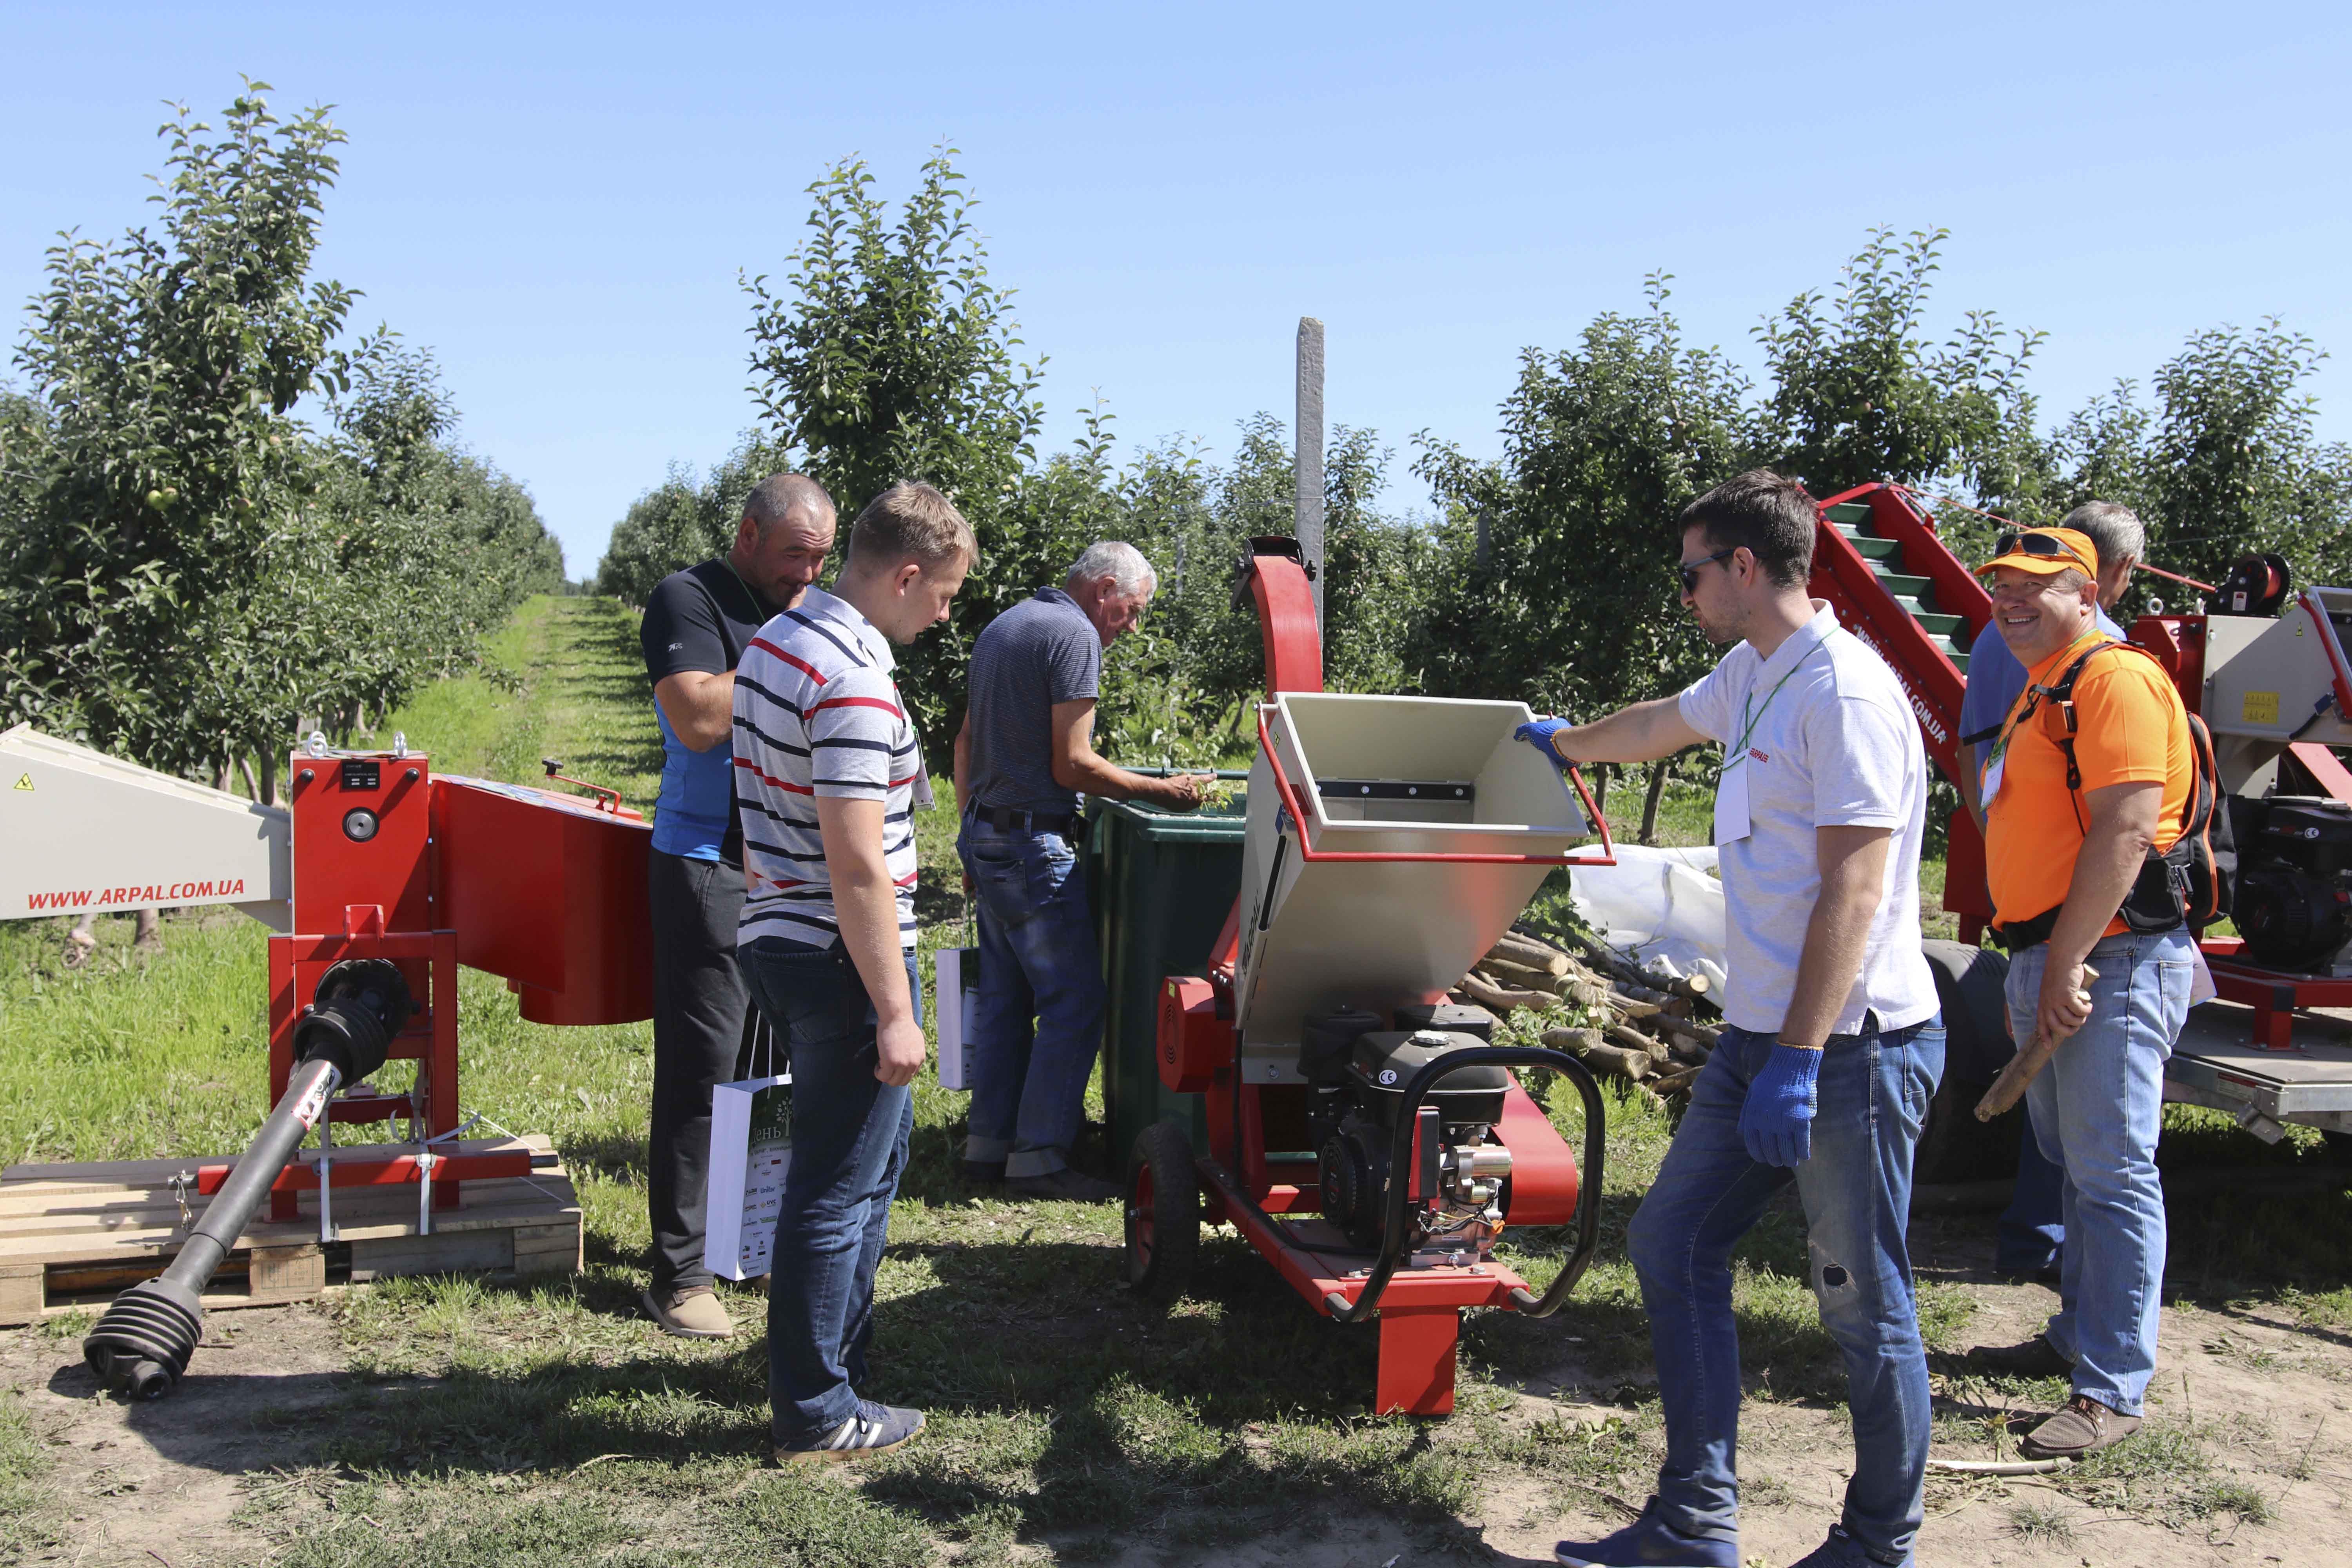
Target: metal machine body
<point x="1389" y="841"/>
<point x="376" y="862"/>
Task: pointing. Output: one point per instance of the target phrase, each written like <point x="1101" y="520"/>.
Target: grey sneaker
<point x="874" y="1429"/>
<point x="1064" y="1185"/>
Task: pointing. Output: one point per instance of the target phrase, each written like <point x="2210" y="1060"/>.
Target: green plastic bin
<point x="1162" y="883"/>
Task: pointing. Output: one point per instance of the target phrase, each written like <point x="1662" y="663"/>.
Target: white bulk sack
<point x="1660" y="906"/>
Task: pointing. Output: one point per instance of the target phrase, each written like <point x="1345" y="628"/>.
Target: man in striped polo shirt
<point x="825" y="768"/>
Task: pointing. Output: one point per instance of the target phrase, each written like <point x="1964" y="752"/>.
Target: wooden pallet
<point x="73" y="1235"/>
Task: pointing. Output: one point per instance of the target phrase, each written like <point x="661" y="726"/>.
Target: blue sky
<point x="558" y="200"/>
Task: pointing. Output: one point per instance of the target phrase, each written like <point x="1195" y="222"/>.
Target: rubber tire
<point x="1163" y="1213"/>
<point x="1954" y="1146"/>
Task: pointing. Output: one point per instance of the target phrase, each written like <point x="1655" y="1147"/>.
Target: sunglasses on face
<point x="1689" y="569"/>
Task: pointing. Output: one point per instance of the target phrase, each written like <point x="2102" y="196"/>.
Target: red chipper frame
<point x="1419" y="1308"/>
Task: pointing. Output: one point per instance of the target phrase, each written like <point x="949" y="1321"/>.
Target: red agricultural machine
<point x="380" y="879"/>
<point x="1364" y="1135"/>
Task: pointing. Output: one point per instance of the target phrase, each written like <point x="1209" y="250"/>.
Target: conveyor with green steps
<point x="1915" y="595"/>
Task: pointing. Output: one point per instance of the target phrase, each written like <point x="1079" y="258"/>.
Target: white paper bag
<point x="750" y="1150"/>
<point x="958" y="992"/>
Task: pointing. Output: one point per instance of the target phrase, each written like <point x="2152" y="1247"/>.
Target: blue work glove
<point x="1538" y="732"/>
<point x="1776" y="1121"/>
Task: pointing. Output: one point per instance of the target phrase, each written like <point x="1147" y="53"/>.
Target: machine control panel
<point x="363" y="773"/>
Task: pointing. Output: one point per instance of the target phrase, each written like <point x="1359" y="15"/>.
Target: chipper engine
<point x="1364" y="1133"/>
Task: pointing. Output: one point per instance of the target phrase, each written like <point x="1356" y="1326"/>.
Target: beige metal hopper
<point x="1465" y="823"/>
<point x="81" y="831"/>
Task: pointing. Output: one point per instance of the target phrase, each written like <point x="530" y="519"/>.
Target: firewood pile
<point x="1650" y="1029"/>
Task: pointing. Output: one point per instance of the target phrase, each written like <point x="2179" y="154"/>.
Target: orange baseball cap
<point x="2045" y="551"/>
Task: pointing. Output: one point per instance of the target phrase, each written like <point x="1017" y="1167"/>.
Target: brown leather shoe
<point x="2037" y="1357"/>
<point x="693" y="1313"/>
<point x="2084" y="1427"/>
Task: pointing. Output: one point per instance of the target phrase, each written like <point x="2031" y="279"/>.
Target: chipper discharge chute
<point x="1390" y="841"/>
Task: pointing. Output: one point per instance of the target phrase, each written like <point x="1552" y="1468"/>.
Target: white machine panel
<point x="81" y="831"/>
<point x="1409" y="775"/>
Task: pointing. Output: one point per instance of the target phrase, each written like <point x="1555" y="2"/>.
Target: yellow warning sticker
<point x="25" y="783"/>
<point x="2260" y="708"/>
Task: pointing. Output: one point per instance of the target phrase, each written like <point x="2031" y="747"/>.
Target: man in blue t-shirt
<point x="2030" y="1231"/>
<point x="698" y="623"/>
<point x="1024" y="756"/>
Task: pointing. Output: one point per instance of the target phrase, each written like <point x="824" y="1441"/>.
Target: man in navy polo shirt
<point x="698" y="623"/>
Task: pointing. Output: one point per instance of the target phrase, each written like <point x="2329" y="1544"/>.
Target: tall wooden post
<point x="1309" y="463"/>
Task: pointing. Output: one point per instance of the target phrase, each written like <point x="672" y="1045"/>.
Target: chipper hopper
<point x="1364" y="1134"/>
<point x="379" y="878"/>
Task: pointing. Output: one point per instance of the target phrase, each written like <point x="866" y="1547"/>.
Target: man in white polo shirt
<point x="1832" y="1046"/>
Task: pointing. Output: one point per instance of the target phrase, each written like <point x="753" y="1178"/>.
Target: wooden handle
<point x="2026" y="1065"/>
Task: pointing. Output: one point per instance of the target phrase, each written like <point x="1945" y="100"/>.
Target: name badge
<point x="1731" y="800"/>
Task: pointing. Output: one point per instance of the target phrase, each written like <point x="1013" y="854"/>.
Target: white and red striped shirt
<point x="816" y="713"/>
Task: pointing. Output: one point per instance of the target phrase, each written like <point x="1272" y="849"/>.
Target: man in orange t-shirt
<point x="2062" y="856"/>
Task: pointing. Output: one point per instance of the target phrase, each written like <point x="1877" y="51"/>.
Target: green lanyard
<point x="1739" y="753"/>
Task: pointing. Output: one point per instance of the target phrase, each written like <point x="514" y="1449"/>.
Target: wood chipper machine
<point x="1362" y="1132"/>
<point x="379" y="879"/>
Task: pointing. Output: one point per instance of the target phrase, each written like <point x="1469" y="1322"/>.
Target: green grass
<point x="27" y="1509"/>
<point x="548" y="1423"/>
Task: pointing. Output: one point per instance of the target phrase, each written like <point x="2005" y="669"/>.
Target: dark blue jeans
<point x="1874" y="1092"/>
<point x="849" y="1148"/>
<point x="2032" y="1232"/>
<point x="1038" y="1016"/>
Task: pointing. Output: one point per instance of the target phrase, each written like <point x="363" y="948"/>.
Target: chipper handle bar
<point x="1393" y="1237"/>
<point x="1306" y="850"/>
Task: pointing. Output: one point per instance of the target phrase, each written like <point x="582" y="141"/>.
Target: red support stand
<point x="1416" y="1375"/>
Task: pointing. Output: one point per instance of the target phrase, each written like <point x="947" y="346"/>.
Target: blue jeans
<point x="2096" y="1110"/>
<point x="1038" y="1016"/>
<point x="849" y="1148"/>
<point x="2032" y="1232"/>
<point x="1872" y="1095"/>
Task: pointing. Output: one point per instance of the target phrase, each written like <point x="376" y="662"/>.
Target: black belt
<point x="1010" y="819"/>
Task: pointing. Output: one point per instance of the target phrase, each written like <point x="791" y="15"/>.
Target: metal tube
<point x="303" y="1104"/>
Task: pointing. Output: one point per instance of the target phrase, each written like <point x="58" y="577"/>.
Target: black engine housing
<point x="2292" y="902"/>
<point x="1358" y="1098"/>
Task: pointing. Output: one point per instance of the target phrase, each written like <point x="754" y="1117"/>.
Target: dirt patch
<point x="142" y="1483"/>
<point x="2256" y="1407"/>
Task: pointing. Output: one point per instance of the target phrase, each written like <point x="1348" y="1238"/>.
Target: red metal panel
<point x="550" y="892"/>
<point x="359" y="1171"/>
<point x="1194" y="1041"/>
<point x="1543" y="1168"/>
<point x="2326" y="772"/>
<point x="1416" y="1374"/>
<point x="334" y="868"/>
<point x="1285" y="614"/>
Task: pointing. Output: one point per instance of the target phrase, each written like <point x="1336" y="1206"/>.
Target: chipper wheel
<point x="1163" y="1213"/>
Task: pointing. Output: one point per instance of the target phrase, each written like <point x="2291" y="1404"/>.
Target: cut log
<point x="1527" y="950"/>
<point x="1627" y="1007"/>
<point x="1525" y="976"/>
<point x="1705" y="1035"/>
<point x="1584" y="1047"/>
<point x="1635" y="1040"/>
<point x="1496" y="998"/>
<point x="1617" y="965"/>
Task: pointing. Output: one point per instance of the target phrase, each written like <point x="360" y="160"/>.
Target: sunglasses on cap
<point x="1689" y="569"/>
<point x="2029" y="544"/>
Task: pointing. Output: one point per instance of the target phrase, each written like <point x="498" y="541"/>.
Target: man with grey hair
<point x="698" y="623"/>
<point x="1024" y="756"/>
<point x="2031" y="1235"/>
